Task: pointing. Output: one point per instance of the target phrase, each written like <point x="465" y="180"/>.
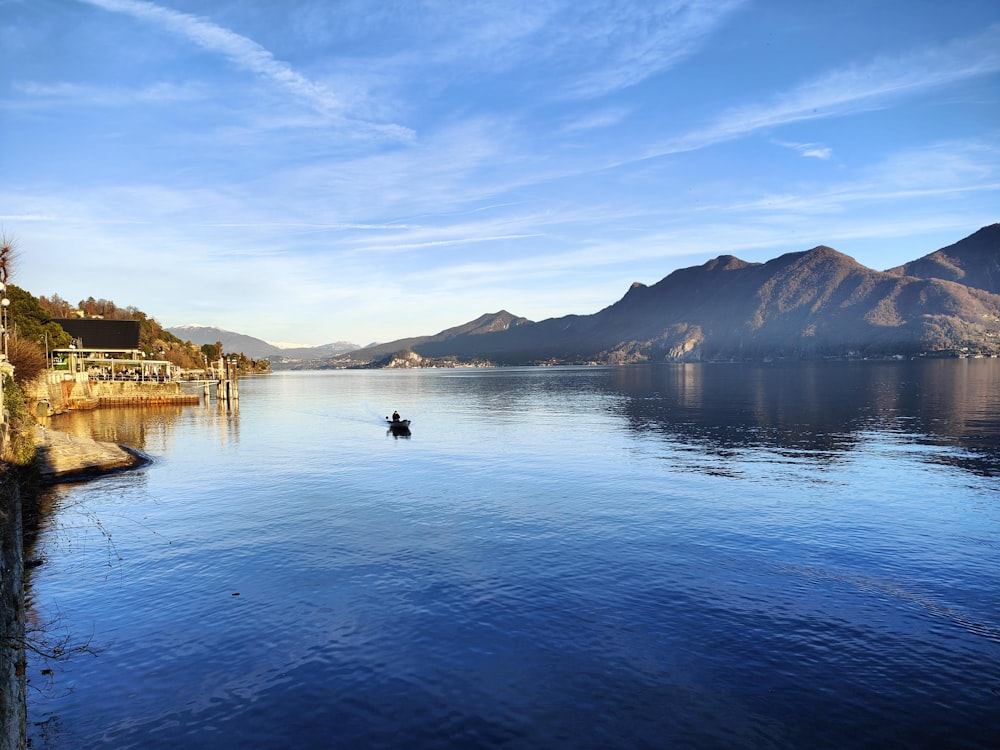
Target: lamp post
<point x="4" y="304"/>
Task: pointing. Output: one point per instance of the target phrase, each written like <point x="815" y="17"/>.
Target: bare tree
<point x="27" y="357"/>
<point x="8" y="251"/>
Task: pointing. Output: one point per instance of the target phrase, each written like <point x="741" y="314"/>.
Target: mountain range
<point x="238" y="343"/>
<point x="814" y="303"/>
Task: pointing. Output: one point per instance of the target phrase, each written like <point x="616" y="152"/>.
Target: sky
<point x="311" y="171"/>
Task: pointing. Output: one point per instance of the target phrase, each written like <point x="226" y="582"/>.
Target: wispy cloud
<point x="525" y="181"/>
<point x="245" y="54"/>
<point x="604" y="118"/>
<point x="927" y="176"/>
<point x="811" y="150"/>
<point x="852" y="89"/>
<point x="635" y="40"/>
<point x="39" y="95"/>
<point x="574" y="49"/>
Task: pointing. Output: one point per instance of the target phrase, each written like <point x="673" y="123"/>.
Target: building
<point x="109" y="350"/>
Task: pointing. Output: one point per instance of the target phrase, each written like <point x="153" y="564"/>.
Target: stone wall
<point x="12" y="659"/>
<point x="57" y="392"/>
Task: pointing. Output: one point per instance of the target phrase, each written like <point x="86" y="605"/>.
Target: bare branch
<point x="8" y="252"/>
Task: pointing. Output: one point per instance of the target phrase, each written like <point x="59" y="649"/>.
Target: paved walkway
<point x="64" y="457"/>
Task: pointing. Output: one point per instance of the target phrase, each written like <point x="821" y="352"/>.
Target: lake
<point x="704" y="556"/>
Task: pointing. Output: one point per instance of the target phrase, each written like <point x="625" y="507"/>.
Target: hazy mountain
<point x="324" y="351"/>
<point x="237" y="343"/>
<point x="484" y="324"/>
<point x="807" y="304"/>
<point x="974" y="261"/>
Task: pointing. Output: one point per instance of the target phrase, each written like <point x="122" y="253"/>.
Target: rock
<point x="64" y="457"/>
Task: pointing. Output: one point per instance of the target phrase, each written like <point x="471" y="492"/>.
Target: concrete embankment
<point x="64" y="457"/>
<point x="12" y="659"/>
<point x="57" y="393"/>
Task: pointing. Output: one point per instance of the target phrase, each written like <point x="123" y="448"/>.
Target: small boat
<point x="398" y="424"/>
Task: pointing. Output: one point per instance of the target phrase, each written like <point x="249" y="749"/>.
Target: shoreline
<point x="63" y="457"/>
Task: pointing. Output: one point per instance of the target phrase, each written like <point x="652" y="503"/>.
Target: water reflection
<point x="150" y="429"/>
<point x="822" y="408"/>
<point x="539" y="567"/>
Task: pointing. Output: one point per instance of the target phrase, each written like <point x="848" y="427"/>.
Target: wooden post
<point x="221" y="387"/>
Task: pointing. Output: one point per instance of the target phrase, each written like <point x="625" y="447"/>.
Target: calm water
<point x="643" y="557"/>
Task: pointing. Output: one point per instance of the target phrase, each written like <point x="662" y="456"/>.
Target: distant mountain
<point x="816" y="303"/>
<point x="238" y="343"/>
<point x="974" y="261"/>
<point x="484" y="324"/>
<point x="324" y="351"/>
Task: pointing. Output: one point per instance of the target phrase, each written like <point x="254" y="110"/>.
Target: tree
<point x="8" y="251"/>
<point x="56" y="306"/>
<point x="29" y="319"/>
<point x="27" y="357"/>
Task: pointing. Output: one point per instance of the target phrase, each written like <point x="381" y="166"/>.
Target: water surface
<point x="656" y="556"/>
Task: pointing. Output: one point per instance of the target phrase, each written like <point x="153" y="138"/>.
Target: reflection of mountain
<point x="819" y="411"/>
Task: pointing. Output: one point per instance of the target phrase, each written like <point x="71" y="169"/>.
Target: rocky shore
<point x="63" y="457"/>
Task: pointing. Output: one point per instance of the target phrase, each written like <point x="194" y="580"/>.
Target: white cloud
<point x="572" y="49"/>
<point x="636" y="40"/>
<point x="603" y="118"/>
<point x="852" y="89"/>
<point x="811" y="150"/>
<point x="61" y="94"/>
<point x="248" y="55"/>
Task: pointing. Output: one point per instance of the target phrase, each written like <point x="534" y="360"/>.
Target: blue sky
<point x="310" y="171"/>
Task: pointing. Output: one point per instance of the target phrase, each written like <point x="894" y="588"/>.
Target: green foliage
<point x="29" y="320"/>
<point x="154" y="341"/>
<point x="245" y="364"/>
<point x="21" y="438"/>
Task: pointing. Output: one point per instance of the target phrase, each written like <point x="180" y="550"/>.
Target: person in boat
<point x="395" y="416"/>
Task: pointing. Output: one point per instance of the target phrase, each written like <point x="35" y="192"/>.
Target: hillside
<point x="816" y="303"/>
<point x="974" y="261"/>
<point x="498" y="322"/>
<point x="254" y="347"/>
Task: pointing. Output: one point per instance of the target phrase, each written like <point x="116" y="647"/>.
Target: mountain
<point x="256" y="348"/>
<point x="815" y="303"/>
<point x="324" y="351"/>
<point x="974" y="261"/>
<point x="484" y="324"/>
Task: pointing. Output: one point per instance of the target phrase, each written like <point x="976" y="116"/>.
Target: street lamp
<point x="4" y="304"/>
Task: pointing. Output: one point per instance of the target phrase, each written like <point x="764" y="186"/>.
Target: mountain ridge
<point x="813" y="303"/>
<point x="804" y="304"/>
<point x="973" y="261"/>
<point x="254" y="347"/>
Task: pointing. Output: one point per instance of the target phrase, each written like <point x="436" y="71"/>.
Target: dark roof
<point x="120" y="335"/>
